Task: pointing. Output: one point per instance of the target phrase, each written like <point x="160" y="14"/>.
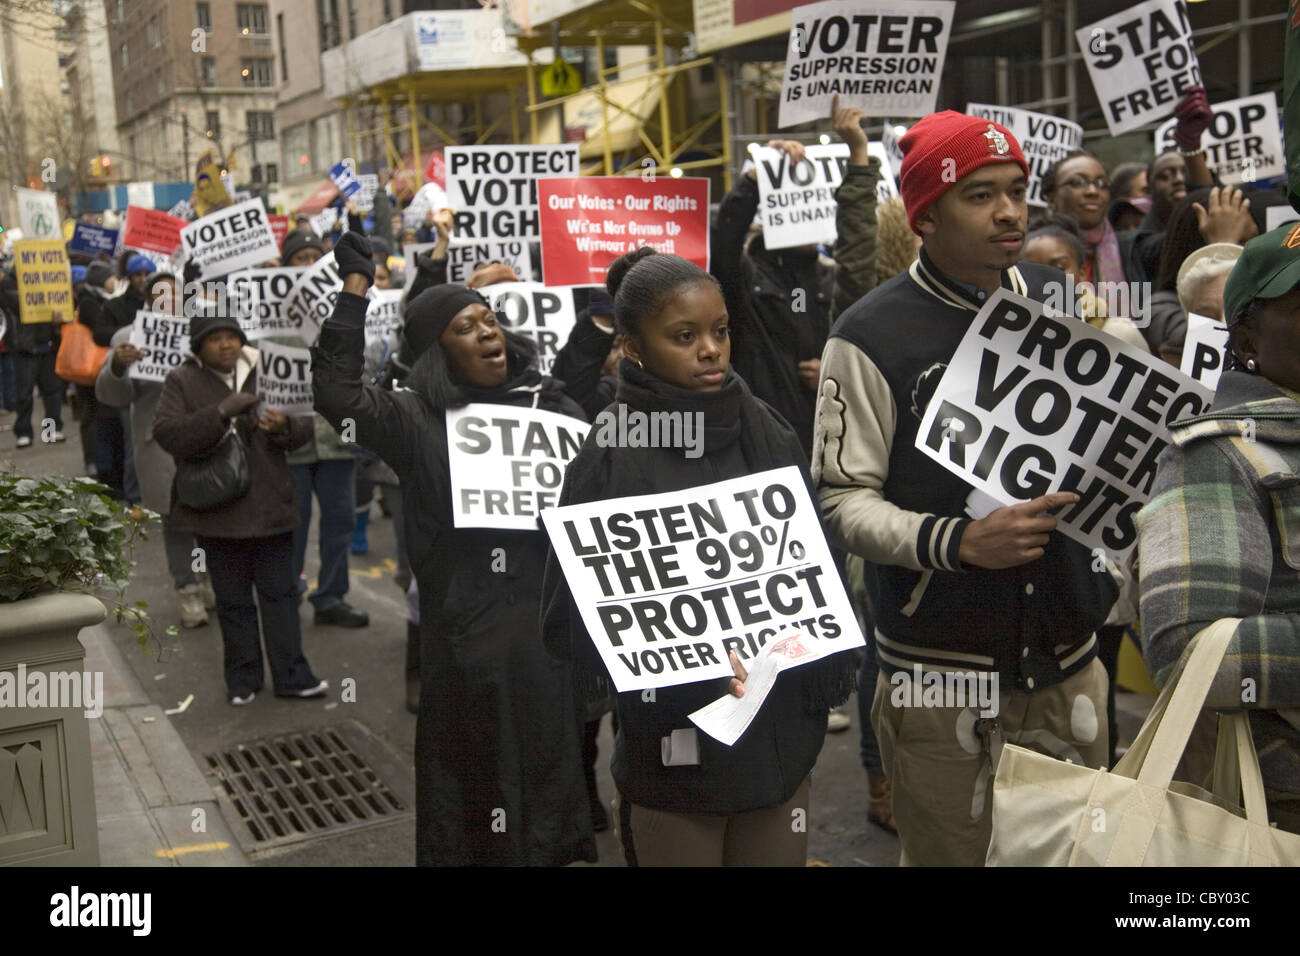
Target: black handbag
<point x="217" y="478"/>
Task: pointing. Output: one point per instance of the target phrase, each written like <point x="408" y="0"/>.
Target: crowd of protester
<point x="813" y="357"/>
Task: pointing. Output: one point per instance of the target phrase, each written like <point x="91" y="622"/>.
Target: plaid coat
<point x="1220" y="537"/>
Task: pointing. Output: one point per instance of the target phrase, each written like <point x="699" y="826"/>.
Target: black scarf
<point x="732" y="414"/>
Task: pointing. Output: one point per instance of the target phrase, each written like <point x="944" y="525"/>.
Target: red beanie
<point x="969" y="141"/>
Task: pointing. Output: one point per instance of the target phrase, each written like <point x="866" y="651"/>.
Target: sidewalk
<point x="147" y="785"/>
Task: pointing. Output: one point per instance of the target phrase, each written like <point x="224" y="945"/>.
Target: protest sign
<point x="164" y="341"/>
<point x="38" y="213"/>
<point x="884" y="58"/>
<point x="150" y="230"/>
<point x="140" y="194"/>
<point x="1275" y="216"/>
<point x="1205" y="350"/>
<point x="312" y="298"/>
<point x="279" y="229"/>
<point x="1032" y="403"/>
<point x="235" y="237"/>
<point x="284" y="377"/>
<point x="211" y="188"/>
<point x="589" y="221"/>
<point x="384" y="316"/>
<point x="464" y="257"/>
<point x="887" y="188"/>
<point x="668" y="584"/>
<point x="544" y="315"/>
<point x="796" y="202"/>
<point x="345" y="180"/>
<point x="1141" y="62"/>
<point x="323" y="222"/>
<point x="182" y="210"/>
<point x="1043" y="139"/>
<point x="889" y="137"/>
<point x="92" y="240"/>
<point x="494" y="188"/>
<point x="1243" y="142"/>
<point x="507" y="464"/>
<point x="259" y="297"/>
<point x="365" y="198"/>
<point x="44" y="282"/>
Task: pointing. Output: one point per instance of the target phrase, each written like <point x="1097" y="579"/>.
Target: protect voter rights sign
<point x="494" y="188"/>
<point x="1033" y="402"/>
<point x="669" y="584"/>
<point x="1043" y="139"/>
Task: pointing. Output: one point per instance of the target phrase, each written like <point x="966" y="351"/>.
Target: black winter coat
<point x="498" y="728"/>
<point x="116" y="313"/>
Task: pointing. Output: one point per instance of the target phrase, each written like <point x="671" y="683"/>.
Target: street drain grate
<point x="300" y="785"/>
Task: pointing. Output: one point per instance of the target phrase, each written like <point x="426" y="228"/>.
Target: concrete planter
<point x="47" y="791"/>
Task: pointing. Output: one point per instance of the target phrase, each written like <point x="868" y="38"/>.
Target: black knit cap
<point x="201" y="326"/>
<point x="429" y="314"/>
<point x="296" y="241"/>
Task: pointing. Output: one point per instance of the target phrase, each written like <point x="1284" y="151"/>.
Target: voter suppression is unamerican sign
<point x="235" y="237"/>
<point x="1033" y="403"/>
<point x="507" y="464"/>
<point x="668" y="584"/>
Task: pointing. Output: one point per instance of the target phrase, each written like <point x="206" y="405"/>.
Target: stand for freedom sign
<point x="668" y="584"/>
<point x="1033" y="403"/>
<point x="884" y="58"/>
<point x="507" y="464"/>
<point x="1141" y="62"/>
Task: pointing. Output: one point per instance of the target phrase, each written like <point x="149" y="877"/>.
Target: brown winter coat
<point x="187" y="424"/>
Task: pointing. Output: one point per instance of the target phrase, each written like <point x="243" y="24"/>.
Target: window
<point x="327" y="23"/>
<point x="209" y="71"/>
<point x="126" y="62"/>
<point x="272" y="173"/>
<point x="158" y="83"/>
<point x="388" y="10"/>
<point x="327" y="146"/>
<point x="151" y="32"/>
<point x="213" y="124"/>
<point x="252" y="19"/>
<point x="284" y="55"/>
<point x="261" y="125"/>
<point x="295" y="149"/>
<point x="203" y="14"/>
<point x="352" y="19"/>
<point x="257" y="176"/>
<point x="257" y="72"/>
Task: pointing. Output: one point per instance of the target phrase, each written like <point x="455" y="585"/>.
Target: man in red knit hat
<point x="983" y="626"/>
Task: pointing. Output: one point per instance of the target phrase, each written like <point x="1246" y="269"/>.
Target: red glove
<point x="1194" y="117"/>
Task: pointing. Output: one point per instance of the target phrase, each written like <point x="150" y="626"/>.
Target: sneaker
<point x="209" y="595"/>
<point x="23" y="441"/>
<point x="190" y="600"/>
<point x="316" y="690"/>
<point x="237" y="701"/>
<point x="837" y="721"/>
<point x="59" y="436"/>
<point x="341" y="615"/>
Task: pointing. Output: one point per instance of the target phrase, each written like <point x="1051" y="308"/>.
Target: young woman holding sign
<point x="498" y="773"/>
<point x="736" y="805"/>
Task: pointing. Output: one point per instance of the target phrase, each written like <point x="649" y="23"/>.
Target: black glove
<point x="353" y="256"/>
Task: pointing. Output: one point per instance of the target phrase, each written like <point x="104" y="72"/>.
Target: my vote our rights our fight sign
<point x="669" y="584"/>
<point x="1033" y="402"/>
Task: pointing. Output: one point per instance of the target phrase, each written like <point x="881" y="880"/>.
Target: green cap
<point x="1269" y="267"/>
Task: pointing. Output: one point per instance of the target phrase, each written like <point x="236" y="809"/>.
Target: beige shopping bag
<point x="1048" y="812"/>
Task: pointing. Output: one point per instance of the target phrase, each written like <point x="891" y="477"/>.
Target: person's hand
<point x="124" y="355"/>
<point x="1194" y="117"/>
<point x="1014" y="535"/>
<point x="274" y="421"/>
<point x="736" y="687"/>
<point x="810" y="371"/>
<point x="791" y="147"/>
<point x="490" y="274"/>
<point x="353" y="255"/>
<point x="442" y="222"/>
<point x="1226" y="216"/>
<point x="237" y="404"/>
<point x="847" y="122"/>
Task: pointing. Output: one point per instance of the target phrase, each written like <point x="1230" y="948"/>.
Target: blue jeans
<point x="334" y="483"/>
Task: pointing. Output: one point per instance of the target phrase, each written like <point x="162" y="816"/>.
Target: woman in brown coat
<point x="249" y="541"/>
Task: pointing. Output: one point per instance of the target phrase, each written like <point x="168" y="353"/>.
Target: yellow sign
<point x="560" y="79"/>
<point x="69" y="227"/>
<point x="44" y="283"/>
<point x="209" y="191"/>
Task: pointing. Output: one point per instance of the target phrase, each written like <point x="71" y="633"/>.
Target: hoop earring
<point x="1251" y="366"/>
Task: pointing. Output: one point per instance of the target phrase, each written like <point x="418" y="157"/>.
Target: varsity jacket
<point x="905" y="514"/>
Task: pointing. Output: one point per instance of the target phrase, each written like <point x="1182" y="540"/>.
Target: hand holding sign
<point x="1014" y="535"/>
<point x="1194" y="117"/>
<point x="791" y="147"/>
<point x="273" y="422"/>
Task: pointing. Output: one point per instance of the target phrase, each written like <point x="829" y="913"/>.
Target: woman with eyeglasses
<point x="1077" y="186"/>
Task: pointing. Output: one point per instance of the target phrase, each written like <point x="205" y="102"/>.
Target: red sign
<point x="436" y="171"/>
<point x="151" y="230"/>
<point x="589" y="221"/>
<point x="279" y="229"/>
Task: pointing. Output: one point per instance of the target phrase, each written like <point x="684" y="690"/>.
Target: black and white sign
<point x="260" y="297"/>
<point x="464" y="257"/>
<point x="345" y="180"/>
<point x="165" y="342"/>
<point x="1043" y="139"/>
<point x="544" y="315"/>
<point x="1141" y="62"/>
<point x="284" y="377"/>
<point x="1033" y="403"/>
<point x="494" y="188"/>
<point x="384" y="316"/>
<point x="884" y="58"/>
<point x="1243" y="143"/>
<point x="312" y="298"/>
<point x="668" y="584"/>
<point x="236" y="237"/>
<point x="507" y="464"/>
<point x="1205" y="350"/>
